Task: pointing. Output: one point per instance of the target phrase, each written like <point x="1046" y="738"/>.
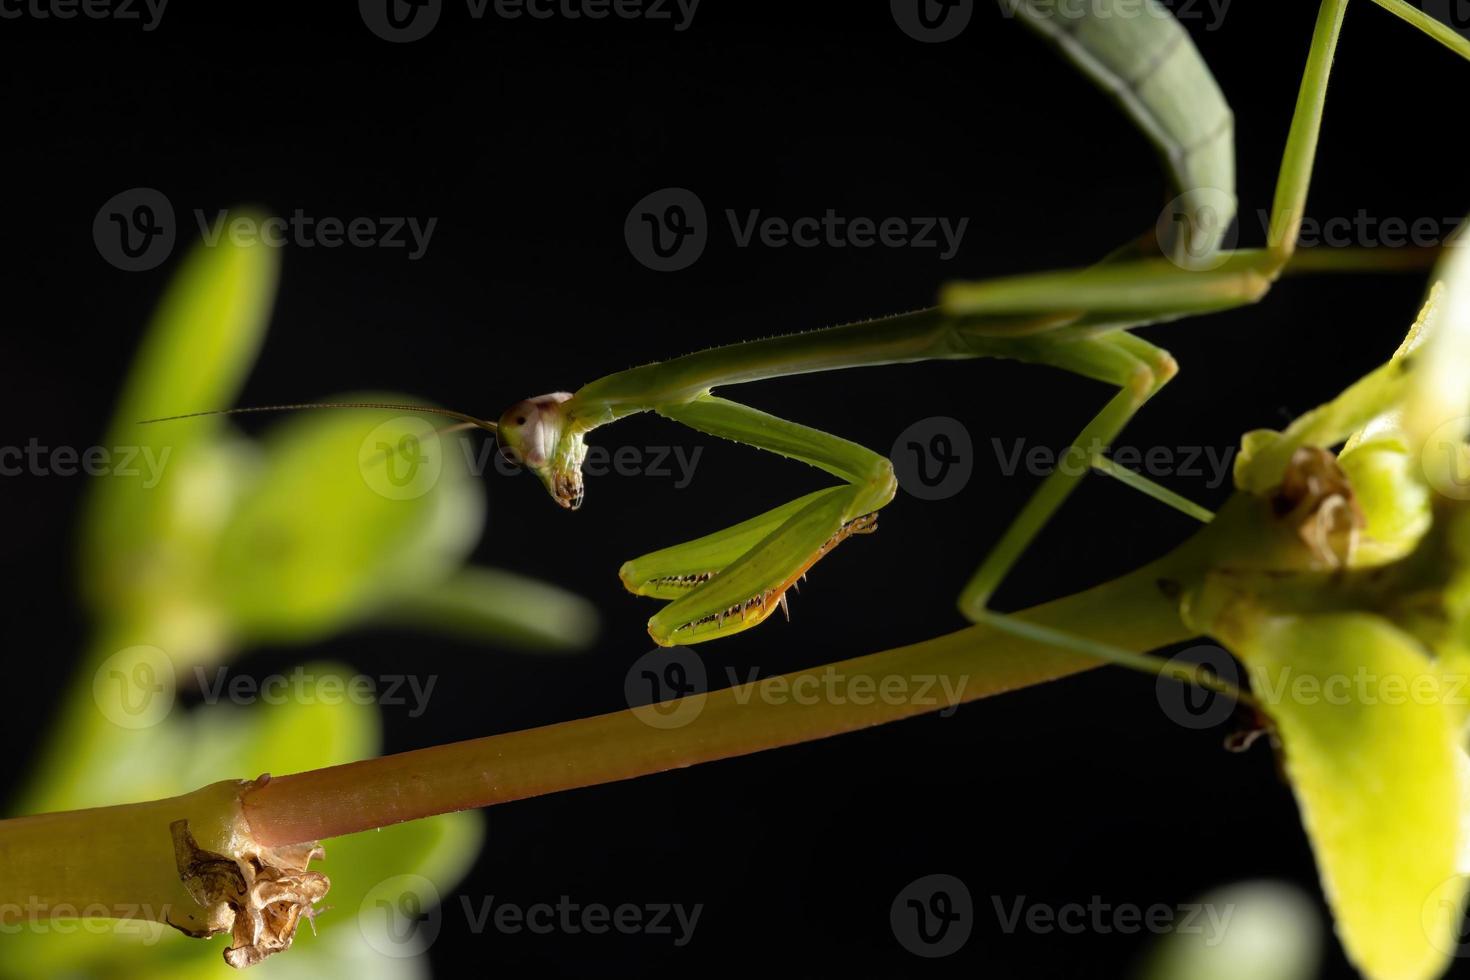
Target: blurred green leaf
<point x="1257" y="930"/>
<point x="219" y="541"/>
<point x="196" y="354"/>
<point x="491" y="604"/>
<point x="330" y="528"/>
<point x="1372" y="747"/>
<point x="319" y="729"/>
<point x="1389" y="487"/>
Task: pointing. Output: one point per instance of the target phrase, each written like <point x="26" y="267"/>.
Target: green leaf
<point x="1257" y="930"/>
<point x="349" y="510"/>
<point x="1371" y="741"/>
<point x="1439" y="404"/>
<point x="304" y="718"/>
<point x="195" y="355"/>
<point x="489" y="604"/>
<point x="1389" y="487"/>
<point x="315" y="726"/>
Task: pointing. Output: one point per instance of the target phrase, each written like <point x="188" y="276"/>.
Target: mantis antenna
<point x="468" y="420"/>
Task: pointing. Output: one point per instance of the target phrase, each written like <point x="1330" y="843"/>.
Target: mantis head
<point x="538" y="433"/>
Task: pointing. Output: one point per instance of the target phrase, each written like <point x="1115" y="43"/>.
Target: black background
<point x="530" y="141"/>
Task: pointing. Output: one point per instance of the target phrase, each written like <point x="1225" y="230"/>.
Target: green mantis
<point x="1078" y="320"/>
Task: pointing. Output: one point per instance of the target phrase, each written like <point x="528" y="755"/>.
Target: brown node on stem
<point x="1317" y="497"/>
<point x="259" y="895"/>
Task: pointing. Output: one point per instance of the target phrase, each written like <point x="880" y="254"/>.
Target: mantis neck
<point x="919" y="336"/>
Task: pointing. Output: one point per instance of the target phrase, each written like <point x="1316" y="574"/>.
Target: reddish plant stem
<point x="1131" y="612"/>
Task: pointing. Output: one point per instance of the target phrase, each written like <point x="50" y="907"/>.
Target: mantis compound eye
<point x="536" y="433"/>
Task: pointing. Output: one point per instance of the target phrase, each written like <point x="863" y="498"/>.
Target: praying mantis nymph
<point x="1076" y="319"/>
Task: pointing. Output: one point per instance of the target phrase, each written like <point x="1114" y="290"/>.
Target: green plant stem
<point x="115" y="862"/>
<point x="978" y="662"/>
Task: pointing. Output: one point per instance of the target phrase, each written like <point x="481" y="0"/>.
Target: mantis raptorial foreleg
<point x="734" y="579"/>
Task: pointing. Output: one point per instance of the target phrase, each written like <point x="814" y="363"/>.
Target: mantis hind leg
<point x="1139" y="369"/>
<point x="1128" y="293"/>
<point x="733" y="579"/>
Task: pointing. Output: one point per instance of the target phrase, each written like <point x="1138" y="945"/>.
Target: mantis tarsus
<point x="1075" y="319"/>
